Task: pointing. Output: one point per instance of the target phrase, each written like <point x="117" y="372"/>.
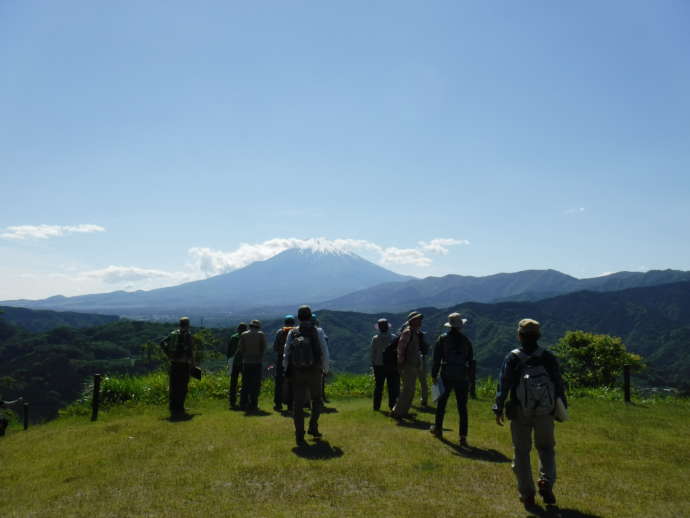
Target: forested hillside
<point x="50" y="367"/>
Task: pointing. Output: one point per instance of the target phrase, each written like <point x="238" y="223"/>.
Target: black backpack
<point x="305" y="350"/>
<point x="455" y="356"/>
<point x="390" y="353"/>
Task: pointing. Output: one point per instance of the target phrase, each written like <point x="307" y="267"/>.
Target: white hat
<point x="455" y="320"/>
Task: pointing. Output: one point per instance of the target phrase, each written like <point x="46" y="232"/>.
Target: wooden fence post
<point x="96" y="401"/>
<point x="26" y="415"/>
<point x="626" y="382"/>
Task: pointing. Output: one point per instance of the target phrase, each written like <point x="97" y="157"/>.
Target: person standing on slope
<point x="305" y="360"/>
<point x="323" y="337"/>
<point x="251" y="349"/>
<point x="531" y="377"/>
<point x="282" y="394"/>
<point x="236" y="365"/>
<point x="409" y="359"/>
<point x="383" y="373"/>
<point x="453" y="358"/>
<point x="179" y="348"/>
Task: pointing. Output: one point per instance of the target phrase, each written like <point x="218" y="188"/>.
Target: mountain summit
<point x="294" y="276"/>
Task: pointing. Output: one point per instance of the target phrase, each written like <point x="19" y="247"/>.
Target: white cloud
<point x="48" y="231"/>
<point x="440" y="245"/>
<point x="578" y="210"/>
<point x="121" y="274"/>
<point x="214" y="262"/>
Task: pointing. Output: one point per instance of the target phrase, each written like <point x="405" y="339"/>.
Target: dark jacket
<point x="509" y="378"/>
<point x="233" y="343"/>
<point x="452" y="339"/>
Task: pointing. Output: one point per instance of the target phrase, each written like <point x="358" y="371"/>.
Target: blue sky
<point x="164" y="141"/>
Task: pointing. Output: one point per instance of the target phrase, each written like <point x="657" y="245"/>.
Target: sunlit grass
<point x="614" y="460"/>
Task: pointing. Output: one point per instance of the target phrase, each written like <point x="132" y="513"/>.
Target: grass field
<point x="614" y="460"/>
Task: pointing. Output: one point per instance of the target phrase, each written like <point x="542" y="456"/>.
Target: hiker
<point x="179" y="348"/>
<point x="530" y="376"/>
<point x="409" y="359"/>
<point x="282" y="392"/>
<point x="382" y="346"/>
<point x="423" y="370"/>
<point x="305" y="361"/>
<point x="251" y="348"/>
<point x="236" y="365"/>
<point x="453" y="358"/>
<point x="323" y="337"/>
<point x="4" y="420"/>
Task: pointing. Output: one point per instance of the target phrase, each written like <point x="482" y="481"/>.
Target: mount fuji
<point x="292" y="277"/>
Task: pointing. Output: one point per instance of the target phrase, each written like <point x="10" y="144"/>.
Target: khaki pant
<point x="521" y="429"/>
<point x="408" y="375"/>
<point x="423" y="374"/>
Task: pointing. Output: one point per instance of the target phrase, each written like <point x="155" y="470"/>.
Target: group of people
<point x="530" y="390"/>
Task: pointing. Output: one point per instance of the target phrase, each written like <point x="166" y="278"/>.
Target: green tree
<point x="591" y="360"/>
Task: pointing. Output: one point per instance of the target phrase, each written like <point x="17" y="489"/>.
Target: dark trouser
<point x="391" y="377"/>
<point x="235" y="372"/>
<point x="303" y="381"/>
<point x="179" y="379"/>
<point x="461" y="388"/>
<point x="3" y="425"/>
<point x="251" y="386"/>
<point x="278" y="397"/>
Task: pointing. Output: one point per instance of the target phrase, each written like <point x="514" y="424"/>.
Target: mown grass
<point x="614" y="460"/>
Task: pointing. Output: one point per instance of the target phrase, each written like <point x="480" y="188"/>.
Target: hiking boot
<point x="528" y="502"/>
<point x="436" y="432"/>
<point x="299" y="439"/>
<point x="278" y="408"/>
<point x="314" y="431"/>
<point x="546" y="493"/>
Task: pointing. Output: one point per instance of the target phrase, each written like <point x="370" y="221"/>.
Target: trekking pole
<point x="626" y="382"/>
<point x="26" y="415"/>
<point x="95" y="402"/>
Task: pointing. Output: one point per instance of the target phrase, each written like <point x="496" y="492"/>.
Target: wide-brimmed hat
<point x="455" y="320"/>
<point x="255" y="323"/>
<point x="529" y="326"/>
<point x="414" y="315"/>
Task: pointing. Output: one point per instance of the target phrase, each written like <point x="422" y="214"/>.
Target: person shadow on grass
<point x="472" y="452"/>
<point x="553" y="511"/>
<point x="319" y="450"/>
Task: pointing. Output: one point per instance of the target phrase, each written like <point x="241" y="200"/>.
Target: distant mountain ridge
<point x="528" y="285"/>
<point x="290" y="277"/>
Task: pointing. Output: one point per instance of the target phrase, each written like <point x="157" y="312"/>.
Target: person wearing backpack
<point x="453" y="357"/>
<point x="530" y="377"/>
<point x="382" y="348"/>
<point x="323" y="337"/>
<point x="305" y="360"/>
<point x="251" y="349"/>
<point x="236" y="364"/>
<point x="409" y="359"/>
<point x="178" y="346"/>
<point x="282" y="392"/>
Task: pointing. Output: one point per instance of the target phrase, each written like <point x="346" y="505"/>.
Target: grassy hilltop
<point x="614" y="460"/>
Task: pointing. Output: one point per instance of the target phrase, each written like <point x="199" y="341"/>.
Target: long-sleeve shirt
<point x="509" y="377"/>
<point x="179" y="347"/>
<point x="379" y="343"/>
<point x="233" y="343"/>
<point x="453" y="338"/>
<point x="252" y="346"/>
<point x="324" y="362"/>
<point x="408" y="348"/>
